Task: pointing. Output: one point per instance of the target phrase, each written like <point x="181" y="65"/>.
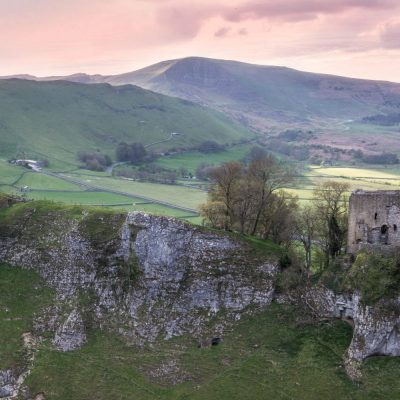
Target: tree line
<point x="250" y="198"/>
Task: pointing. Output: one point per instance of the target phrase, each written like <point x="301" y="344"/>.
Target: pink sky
<point x="359" y="38"/>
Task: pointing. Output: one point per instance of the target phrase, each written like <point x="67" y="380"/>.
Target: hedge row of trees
<point x="134" y="153"/>
<point x="249" y="198"/>
<point x="94" y="161"/>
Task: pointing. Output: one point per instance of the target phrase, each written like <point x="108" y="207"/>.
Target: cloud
<point x="390" y="35"/>
<point x="187" y="21"/>
<point x="298" y="10"/>
<point x="242" y="32"/>
<point x="222" y="32"/>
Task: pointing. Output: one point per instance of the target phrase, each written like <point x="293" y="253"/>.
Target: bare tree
<point x="268" y="176"/>
<point x="305" y="228"/>
<point x="226" y="181"/>
<point x="330" y="201"/>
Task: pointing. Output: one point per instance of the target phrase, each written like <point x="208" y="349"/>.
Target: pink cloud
<point x="110" y="36"/>
<point x="390" y="35"/>
<point x="222" y="32"/>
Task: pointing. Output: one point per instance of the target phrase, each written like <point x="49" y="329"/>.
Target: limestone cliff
<point x="146" y="277"/>
<point x="141" y="276"/>
<point x="376" y="328"/>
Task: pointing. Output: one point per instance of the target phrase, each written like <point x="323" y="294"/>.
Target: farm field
<point x="45" y="182"/>
<point x="84" y="197"/>
<point x="103" y="189"/>
<point x="174" y="194"/>
<point x="9" y="173"/>
<point x="192" y="160"/>
<point x="357" y="178"/>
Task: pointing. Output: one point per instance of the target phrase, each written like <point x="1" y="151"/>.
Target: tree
<point x="133" y="153"/>
<point x="215" y="213"/>
<point x="330" y="203"/>
<point x="247" y="193"/>
<point x="277" y="219"/>
<point x="226" y="181"/>
<point x="268" y="176"/>
<point x="305" y="228"/>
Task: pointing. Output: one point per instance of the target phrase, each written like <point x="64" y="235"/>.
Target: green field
<point x="9" y="173"/>
<point x="277" y="354"/>
<point x="185" y="194"/>
<point x="173" y="194"/>
<point x="36" y="180"/>
<point x="355" y="177"/>
<point x="192" y="160"/>
<point x="85" y="198"/>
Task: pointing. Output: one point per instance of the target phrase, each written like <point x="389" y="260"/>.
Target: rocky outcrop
<point x="376" y="329"/>
<point x="376" y="333"/>
<point x="12" y="383"/>
<point x="142" y="276"/>
<point x="7" y="383"/>
<point x="71" y="334"/>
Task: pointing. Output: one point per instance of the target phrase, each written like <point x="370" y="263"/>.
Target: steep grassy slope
<point x="269" y="355"/>
<point x="56" y="119"/>
<point x="22" y="294"/>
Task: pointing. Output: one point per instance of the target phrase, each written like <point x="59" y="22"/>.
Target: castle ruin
<point x="374" y="219"/>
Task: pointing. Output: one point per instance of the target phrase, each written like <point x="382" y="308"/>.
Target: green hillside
<point x="57" y="119"/>
<point x="277" y="354"/>
<point x="259" y="95"/>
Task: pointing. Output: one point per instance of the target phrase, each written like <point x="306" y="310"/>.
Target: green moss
<point x="334" y="275"/>
<point x="101" y="226"/>
<point x="264" y="247"/>
<point x="375" y="275"/>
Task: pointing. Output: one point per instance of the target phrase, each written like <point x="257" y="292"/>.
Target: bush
<point x="94" y="161"/>
<point x="133" y="153"/>
<point x="375" y="275"/>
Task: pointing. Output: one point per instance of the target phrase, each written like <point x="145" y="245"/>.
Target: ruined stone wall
<point x="374" y="219"/>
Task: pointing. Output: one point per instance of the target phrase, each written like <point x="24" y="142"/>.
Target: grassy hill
<point x="257" y="94"/>
<point x="271" y="92"/>
<point x="56" y="119"/>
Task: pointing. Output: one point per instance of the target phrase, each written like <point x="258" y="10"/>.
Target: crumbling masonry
<point x="374" y="220"/>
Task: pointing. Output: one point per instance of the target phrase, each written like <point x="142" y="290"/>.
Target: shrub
<point x="375" y="275"/>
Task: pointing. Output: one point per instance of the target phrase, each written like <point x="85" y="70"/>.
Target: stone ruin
<point x="374" y="220"/>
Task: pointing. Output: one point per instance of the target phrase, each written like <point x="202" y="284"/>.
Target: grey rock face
<point x="71" y="334"/>
<point x="158" y="277"/>
<point x="7" y="383"/>
<point x="376" y="329"/>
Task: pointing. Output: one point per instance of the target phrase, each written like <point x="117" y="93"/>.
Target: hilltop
<point x="260" y="95"/>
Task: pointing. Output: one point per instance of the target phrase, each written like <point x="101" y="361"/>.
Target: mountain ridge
<point x="259" y="96"/>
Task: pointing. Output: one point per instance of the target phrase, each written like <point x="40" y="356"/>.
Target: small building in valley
<point x="374" y="219"/>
